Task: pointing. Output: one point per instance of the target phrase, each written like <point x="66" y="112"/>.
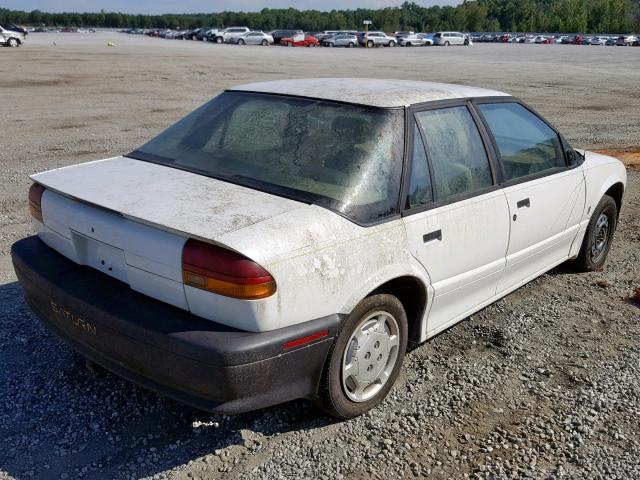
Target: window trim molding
<point x="504" y="182"/>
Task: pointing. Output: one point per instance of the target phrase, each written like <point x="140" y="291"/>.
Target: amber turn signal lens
<point x="229" y="289"/>
<point x="35" y="201"/>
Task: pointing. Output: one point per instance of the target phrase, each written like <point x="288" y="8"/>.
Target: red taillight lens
<point x="224" y="272"/>
<point x="35" y="201"/>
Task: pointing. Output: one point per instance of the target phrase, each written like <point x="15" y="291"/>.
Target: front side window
<point x="455" y="148"/>
<point x="526" y="144"/>
<point x="345" y="157"/>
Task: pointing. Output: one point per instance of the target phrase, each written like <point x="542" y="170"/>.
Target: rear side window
<point x="420" y="190"/>
<point x="526" y="144"/>
<point x="458" y="157"/>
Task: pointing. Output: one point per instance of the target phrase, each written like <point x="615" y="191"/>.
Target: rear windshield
<point x="344" y="157"/>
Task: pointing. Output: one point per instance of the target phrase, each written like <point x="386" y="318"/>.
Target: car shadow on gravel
<point x="62" y="420"/>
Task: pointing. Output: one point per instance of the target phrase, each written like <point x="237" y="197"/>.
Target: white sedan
<point x="287" y="239"/>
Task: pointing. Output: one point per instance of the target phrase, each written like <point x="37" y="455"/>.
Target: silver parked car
<point x="414" y="41"/>
<point x="450" y="38"/>
<point x="376" y="39"/>
<point x="255" y="38"/>
<point x="341" y="40"/>
<point x="10" y="38"/>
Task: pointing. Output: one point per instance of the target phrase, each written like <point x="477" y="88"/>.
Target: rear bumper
<point x="210" y="366"/>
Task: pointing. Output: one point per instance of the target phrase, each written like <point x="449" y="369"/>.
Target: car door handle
<point x="524" y="203"/>
<point x="430" y="237"/>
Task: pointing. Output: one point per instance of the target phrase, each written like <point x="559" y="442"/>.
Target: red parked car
<point x="300" y="41"/>
<point x="578" y="40"/>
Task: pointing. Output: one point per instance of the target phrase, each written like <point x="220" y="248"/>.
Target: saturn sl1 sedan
<point x="288" y="238"/>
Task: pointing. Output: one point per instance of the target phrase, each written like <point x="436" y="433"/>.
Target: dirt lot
<point x="545" y="383"/>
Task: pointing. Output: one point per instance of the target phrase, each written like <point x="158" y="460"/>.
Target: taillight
<point x="224" y="272"/>
<point x="35" y="201"/>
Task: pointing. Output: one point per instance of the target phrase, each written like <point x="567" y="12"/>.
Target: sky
<point x="198" y="6"/>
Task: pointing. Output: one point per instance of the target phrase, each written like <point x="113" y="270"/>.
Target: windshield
<point x="347" y="158"/>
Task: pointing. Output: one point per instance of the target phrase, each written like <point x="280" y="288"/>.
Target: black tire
<point x="219" y="40"/>
<point x="240" y="42"/>
<point x="289" y="44"/>
<point x="331" y="44"/>
<point x="205" y="39"/>
<point x="264" y="43"/>
<point x="332" y="398"/>
<point x="593" y="253"/>
<point x="12" y="42"/>
<point x="392" y="43"/>
<point x="351" y="44"/>
<point x="370" y="44"/>
<point x="446" y="44"/>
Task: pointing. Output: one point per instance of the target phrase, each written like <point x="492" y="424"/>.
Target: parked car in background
<point x="541" y="39"/>
<point x="254" y="38"/>
<point x="413" y="40"/>
<point x="376" y="39"/>
<point x="341" y="40"/>
<point x="300" y="40"/>
<point x="450" y="38"/>
<point x="11" y="38"/>
<point x="597" y="41"/>
<point x="626" y="40"/>
<point x="504" y="38"/>
<point x="231" y="34"/>
<point x="578" y="40"/>
<point x="298" y="234"/>
<point x="611" y="42"/>
<point x="278" y="35"/>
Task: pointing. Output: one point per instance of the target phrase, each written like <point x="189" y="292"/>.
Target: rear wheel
<point x="331" y="44"/>
<point x="365" y="359"/>
<point x="240" y="42"/>
<point x="264" y="43"/>
<point x="446" y="44"/>
<point x="392" y="43"/>
<point x="370" y="44"/>
<point x="219" y="40"/>
<point x="597" y="239"/>
<point x="351" y="44"/>
<point x="289" y="44"/>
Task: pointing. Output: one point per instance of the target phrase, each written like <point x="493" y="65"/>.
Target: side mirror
<point x="574" y="158"/>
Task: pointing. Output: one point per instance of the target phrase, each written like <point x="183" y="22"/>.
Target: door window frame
<point x="410" y="120"/>
<point x="476" y="102"/>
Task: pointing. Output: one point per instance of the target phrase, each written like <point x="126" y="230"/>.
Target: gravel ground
<point x="543" y="384"/>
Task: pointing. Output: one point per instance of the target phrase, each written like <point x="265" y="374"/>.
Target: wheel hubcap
<point x="370" y="356"/>
<point x="600" y="237"/>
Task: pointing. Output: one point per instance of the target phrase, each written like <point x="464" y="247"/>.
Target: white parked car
<point x="288" y="238"/>
<point x="9" y="38"/>
<point x="450" y="38"/>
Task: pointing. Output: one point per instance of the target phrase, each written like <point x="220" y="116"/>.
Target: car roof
<point x="366" y="91"/>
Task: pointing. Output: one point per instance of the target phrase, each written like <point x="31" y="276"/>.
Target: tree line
<point x="579" y="16"/>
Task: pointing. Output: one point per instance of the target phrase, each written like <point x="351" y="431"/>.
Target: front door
<point x="456" y="217"/>
<point x="545" y="195"/>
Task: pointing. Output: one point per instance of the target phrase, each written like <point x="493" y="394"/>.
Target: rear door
<point x="455" y="214"/>
<point x="545" y="194"/>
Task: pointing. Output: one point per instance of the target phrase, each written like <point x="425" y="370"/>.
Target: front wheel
<point x="264" y="43"/>
<point x="351" y="44"/>
<point x="331" y="44"/>
<point x="13" y="42"/>
<point x="392" y="43"/>
<point x="446" y="44"/>
<point x="219" y="40"/>
<point x="240" y="42"/>
<point x="365" y="359"/>
<point x="597" y="239"/>
<point x="370" y="44"/>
